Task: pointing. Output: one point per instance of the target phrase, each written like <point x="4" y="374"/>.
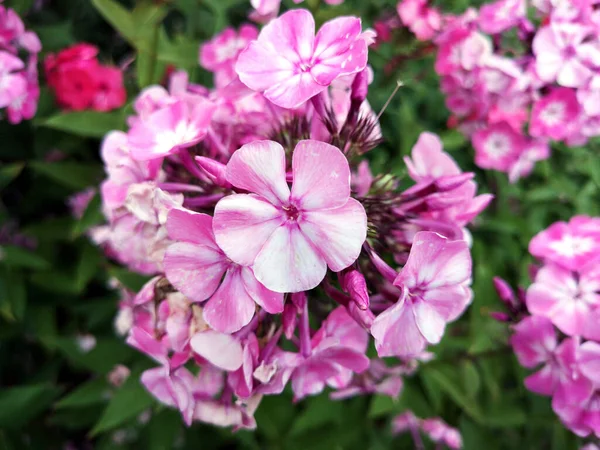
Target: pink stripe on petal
<point x="336" y="36"/>
<point x="288" y="262"/>
<point x="270" y="301"/>
<point x="230" y="307"/>
<point x="338" y="233"/>
<point x="193" y="269"/>
<point x="242" y="224"/>
<point x="259" y="167"/>
<point x="190" y="226"/>
<point x="321" y="176"/>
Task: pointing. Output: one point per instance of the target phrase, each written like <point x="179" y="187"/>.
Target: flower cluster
<point x="80" y="82"/>
<point x="434" y="428"/>
<point x="19" y="48"/>
<point x="513" y="97"/>
<point x="559" y="328"/>
<point x="268" y="238"/>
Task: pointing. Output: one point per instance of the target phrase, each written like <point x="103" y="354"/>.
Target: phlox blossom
<point x="290" y="65"/>
<point x="290" y="237"/>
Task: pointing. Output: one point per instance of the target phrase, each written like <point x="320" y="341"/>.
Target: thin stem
<point x="399" y="84"/>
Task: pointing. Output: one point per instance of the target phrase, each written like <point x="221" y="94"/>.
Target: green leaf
<point x="73" y="175"/>
<point x="14" y="256"/>
<point x="471" y="378"/>
<point x="91" y="216"/>
<point x="89" y="263"/>
<point x="101" y="359"/>
<point x="454" y="391"/>
<point x="117" y="16"/>
<point x="318" y="412"/>
<point x="20" y="404"/>
<point x="129" y="401"/>
<point x="162" y="430"/>
<point x="86" y="123"/>
<point x="130" y="280"/>
<point x="86" y="394"/>
<point x="9" y="172"/>
<point x="13" y="294"/>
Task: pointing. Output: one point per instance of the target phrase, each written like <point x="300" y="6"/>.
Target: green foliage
<point x="54" y="288"/>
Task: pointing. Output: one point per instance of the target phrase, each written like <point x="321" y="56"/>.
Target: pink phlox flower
<point x="264" y="10"/>
<point x="439" y="431"/>
<point x="196" y="266"/>
<point x="567" y="299"/>
<point x="434" y="291"/>
<point x="296" y="234"/>
<point x="13" y="83"/>
<point x="552" y="114"/>
<point x="423" y="21"/>
<point x="533" y="151"/>
<point x="572" y="245"/>
<point x="501" y="15"/>
<point x="290" y="65"/>
<point x="498" y="146"/>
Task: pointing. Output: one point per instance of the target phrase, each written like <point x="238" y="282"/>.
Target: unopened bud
<point x="353" y="282"/>
<point x="214" y="169"/>
<point x="505" y="293"/>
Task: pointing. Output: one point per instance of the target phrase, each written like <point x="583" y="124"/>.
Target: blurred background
<point x="60" y="377"/>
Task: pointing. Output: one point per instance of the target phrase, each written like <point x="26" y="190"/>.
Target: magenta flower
<point x="501" y="15"/>
<point x="589" y="360"/>
<point x="195" y="265"/>
<point x="497" y="147"/>
<point x="12" y="83"/>
<point x="434" y="291"/>
<point x="290" y="65"/>
<point x="289" y="238"/>
<point x="423" y="21"/>
<point x="551" y="115"/>
<point x="567" y="299"/>
<point x="571" y="245"/>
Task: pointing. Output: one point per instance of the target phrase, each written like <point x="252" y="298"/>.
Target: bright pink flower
<point x="563" y="55"/>
<point x="534" y="341"/>
<point x="552" y="114"/>
<point x="290" y="65"/>
<point x="572" y="245"/>
<point x="174" y="127"/>
<point x="565" y="298"/>
<point x="423" y="21"/>
<point x="501" y="15"/>
<point x="294" y="235"/>
<point x="195" y="265"/>
<point x="534" y="151"/>
<point x="497" y="146"/>
<point x="434" y="291"/>
<point x="110" y="92"/>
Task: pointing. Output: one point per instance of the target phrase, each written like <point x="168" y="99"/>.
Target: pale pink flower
<point x="290" y="237"/>
<point x="571" y="245"/>
<point x="552" y="114"/>
<point x="583" y="417"/>
<point x="24" y="106"/>
<point x="290" y="65"/>
<point x="12" y="83"/>
<point x="264" y="10"/>
<point x="534" y="151"/>
<point x="439" y="431"/>
<point x="565" y="298"/>
<point x="174" y="127"/>
<point x="563" y="55"/>
<point x="434" y="291"/>
<point x="220" y="53"/>
<point x="423" y="21"/>
<point x="501" y="15"/>
<point x="498" y="146"/>
<point x="535" y="344"/>
<point x="195" y="265"/>
<point x="589" y="360"/>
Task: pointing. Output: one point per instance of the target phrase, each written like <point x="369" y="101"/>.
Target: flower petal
<point x="242" y="224"/>
<point x="270" y="301"/>
<point x="321" y="176"/>
<point x="338" y="233"/>
<point x="288" y="262"/>
<point x="431" y="324"/>
<point x="230" y="308"/>
<point x="259" y="167"/>
<point x="291" y="35"/>
<point x="294" y="91"/>
<point x="221" y="350"/>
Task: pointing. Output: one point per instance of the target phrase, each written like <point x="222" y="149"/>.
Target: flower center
<point x="291" y="212"/>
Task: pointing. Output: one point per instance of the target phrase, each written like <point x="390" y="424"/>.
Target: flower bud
<point x="214" y="169"/>
<point x="353" y="282"/>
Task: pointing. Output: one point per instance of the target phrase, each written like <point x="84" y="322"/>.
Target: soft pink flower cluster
<point x="251" y="205"/>
<point x="513" y="97"/>
<point x="434" y="428"/>
<point x="19" y="88"/>
<point x="560" y="332"/>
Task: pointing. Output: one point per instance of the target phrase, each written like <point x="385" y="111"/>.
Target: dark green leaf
<point x="89" y="393"/>
<point x="86" y="123"/>
<point x="20" y="404"/>
<point x="9" y="172"/>
<point x="74" y="175"/>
